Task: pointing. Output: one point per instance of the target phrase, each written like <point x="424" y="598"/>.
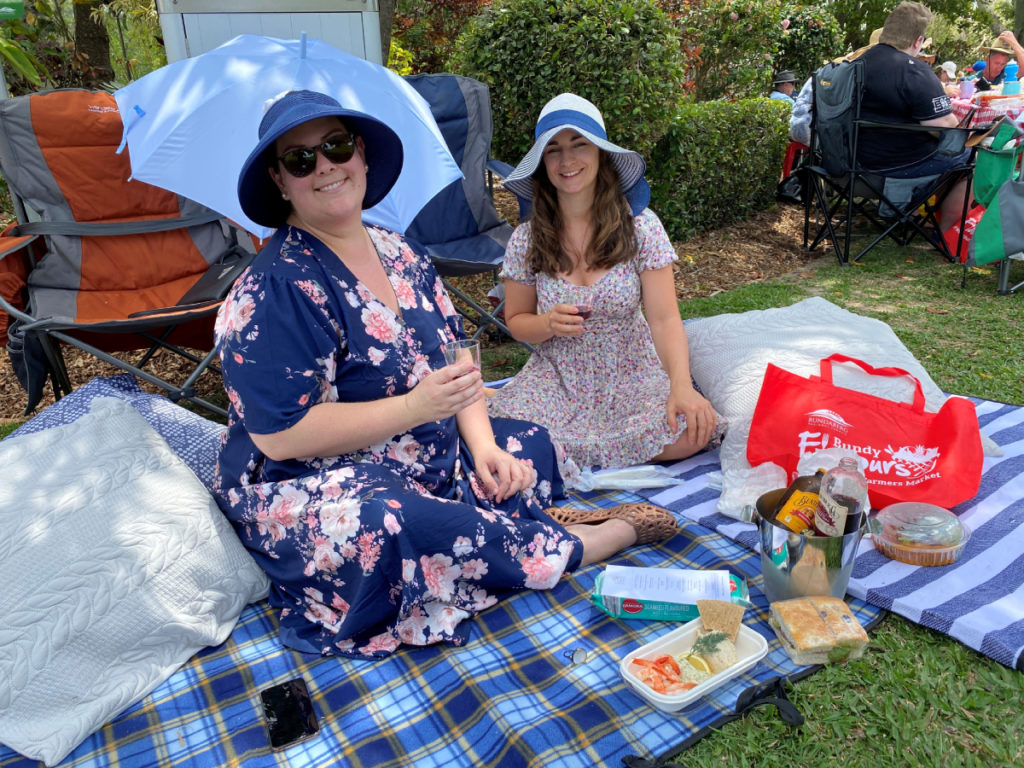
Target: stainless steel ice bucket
<point x="796" y="565"/>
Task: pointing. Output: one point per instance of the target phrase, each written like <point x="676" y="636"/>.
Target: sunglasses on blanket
<point x="301" y="161"/>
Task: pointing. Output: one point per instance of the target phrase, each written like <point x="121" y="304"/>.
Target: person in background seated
<point x="900" y="88"/>
<point x="946" y="73"/>
<point x="360" y="470"/>
<point x="589" y="283"/>
<point x="997" y="56"/>
<point x="783" y="85"/>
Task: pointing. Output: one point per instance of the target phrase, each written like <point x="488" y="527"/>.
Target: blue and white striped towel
<point x="978" y="600"/>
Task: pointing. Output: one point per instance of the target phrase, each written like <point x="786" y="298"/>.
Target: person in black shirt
<point x="900" y="88"/>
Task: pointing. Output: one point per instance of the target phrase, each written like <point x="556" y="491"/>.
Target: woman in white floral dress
<point x="362" y="472"/>
<point x="581" y="273"/>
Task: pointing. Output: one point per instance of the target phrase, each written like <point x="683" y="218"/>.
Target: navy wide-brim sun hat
<point x="567" y="110"/>
<point x="260" y="197"/>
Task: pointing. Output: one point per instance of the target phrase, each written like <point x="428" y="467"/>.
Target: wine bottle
<point x="842" y="499"/>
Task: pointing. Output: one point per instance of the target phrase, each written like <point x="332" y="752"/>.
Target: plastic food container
<point x="919" y="534"/>
<point x="750" y="649"/>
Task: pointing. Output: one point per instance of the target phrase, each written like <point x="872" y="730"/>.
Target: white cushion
<point x="117" y="567"/>
<point x="729" y="354"/>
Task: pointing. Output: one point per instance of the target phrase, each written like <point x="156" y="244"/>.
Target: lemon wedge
<point x="697" y="662"/>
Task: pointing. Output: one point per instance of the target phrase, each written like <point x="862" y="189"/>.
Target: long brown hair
<point x="614" y="239"/>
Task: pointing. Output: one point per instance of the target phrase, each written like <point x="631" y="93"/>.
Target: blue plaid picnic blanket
<point x="509" y="697"/>
<point x="978" y="600"/>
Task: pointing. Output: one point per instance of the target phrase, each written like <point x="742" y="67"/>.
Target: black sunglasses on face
<point x="301" y="161"/>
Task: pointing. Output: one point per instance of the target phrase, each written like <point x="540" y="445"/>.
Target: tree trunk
<point x="1018" y="21"/>
<point x="92" y="45"/>
<point x="386" y="12"/>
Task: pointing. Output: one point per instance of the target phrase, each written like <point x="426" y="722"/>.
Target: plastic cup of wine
<point x="462" y="351"/>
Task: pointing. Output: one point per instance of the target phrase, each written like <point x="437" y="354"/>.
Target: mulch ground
<point x="765" y="246"/>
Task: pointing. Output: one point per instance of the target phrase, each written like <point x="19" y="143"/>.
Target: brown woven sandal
<point x="651" y="523"/>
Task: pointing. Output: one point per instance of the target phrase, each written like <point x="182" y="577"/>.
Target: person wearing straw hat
<point x="589" y="283"/>
<point x="360" y="467"/>
<point x="997" y="56"/>
<point x="783" y="85"/>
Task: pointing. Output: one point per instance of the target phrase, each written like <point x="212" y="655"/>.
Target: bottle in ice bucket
<point x="842" y="500"/>
<point x="796" y="508"/>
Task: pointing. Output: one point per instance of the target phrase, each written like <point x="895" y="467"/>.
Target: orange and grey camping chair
<point x="109" y="265"/>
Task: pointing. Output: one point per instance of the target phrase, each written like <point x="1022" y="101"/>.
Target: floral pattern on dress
<point x="396" y="543"/>
<point x="601" y="395"/>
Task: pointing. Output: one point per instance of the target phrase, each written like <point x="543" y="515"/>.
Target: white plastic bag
<point x="627" y="479"/>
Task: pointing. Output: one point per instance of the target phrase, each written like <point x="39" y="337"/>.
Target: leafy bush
<point x="623" y="55"/>
<point x="810" y="37"/>
<point x="718" y="163"/>
<point x="428" y="30"/>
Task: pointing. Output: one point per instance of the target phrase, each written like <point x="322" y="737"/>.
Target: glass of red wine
<point x="584" y="311"/>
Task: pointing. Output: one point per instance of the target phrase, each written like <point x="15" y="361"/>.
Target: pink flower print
<point x="391" y="524"/>
<point x="376" y="356"/>
<point x="382" y="642"/>
<point x="378" y="324"/>
<point x="408" y="571"/>
<point x="421" y="368"/>
<point x="236" y="313"/>
<point x="352" y="299"/>
<point x="369" y="551"/>
<point x="325" y="558"/>
<point x="543" y="571"/>
<point x="513" y="445"/>
<point x="364" y="293"/>
<point x="348" y="549"/>
<point x="480" y="600"/>
<point x="445" y="618"/>
<point x="314" y="594"/>
<point x="313" y="291"/>
<point x="283" y="513"/>
<point x="441" y="300"/>
<point x="462" y="547"/>
<point x="339" y="603"/>
<point x="474" y="569"/>
<point x="404" y="293"/>
<point x="412" y="629"/>
<point x="406" y="450"/>
<point x="439" y="575"/>
<point x="321" y="614"/>
<point x="340" y="519"/>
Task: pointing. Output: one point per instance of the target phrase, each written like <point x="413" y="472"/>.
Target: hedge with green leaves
<point x="719" y="162"/>
<point x="623" y="55"/>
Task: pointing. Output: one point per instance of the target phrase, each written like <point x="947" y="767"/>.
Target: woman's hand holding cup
<point x="565" y="320"/>
<point x="446" y="391"/>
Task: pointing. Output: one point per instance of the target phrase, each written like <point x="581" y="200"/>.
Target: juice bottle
<point x="795" y="509"/>
<point x="842" y="499"/>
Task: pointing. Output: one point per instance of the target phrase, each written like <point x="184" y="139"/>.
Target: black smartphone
<point x="289" y="714"/>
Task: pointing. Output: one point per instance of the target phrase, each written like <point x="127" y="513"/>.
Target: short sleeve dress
<point x="601" y="395"/>
<point x="396" y="543"/>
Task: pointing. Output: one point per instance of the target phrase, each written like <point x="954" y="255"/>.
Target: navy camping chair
<point x="460" y="227"/>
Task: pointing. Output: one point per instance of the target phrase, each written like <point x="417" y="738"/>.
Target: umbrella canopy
<point x="190" y="125"/>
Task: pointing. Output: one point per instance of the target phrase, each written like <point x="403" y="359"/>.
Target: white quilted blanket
<point x="117" y="567"/>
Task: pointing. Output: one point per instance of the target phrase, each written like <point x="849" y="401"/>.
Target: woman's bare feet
<point x="604" y="540"/>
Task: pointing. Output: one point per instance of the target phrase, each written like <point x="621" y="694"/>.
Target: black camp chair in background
<point x="460" y="227"/>
<point x="843" y="195"/>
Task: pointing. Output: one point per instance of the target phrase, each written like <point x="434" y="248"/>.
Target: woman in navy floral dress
<point x="362" y="472"/>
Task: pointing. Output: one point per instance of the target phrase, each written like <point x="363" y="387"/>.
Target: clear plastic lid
<point x="921" y="534"/>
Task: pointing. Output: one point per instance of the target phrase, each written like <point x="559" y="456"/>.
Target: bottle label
<point x="830" y="518"/>
<point x="798" y="512"/>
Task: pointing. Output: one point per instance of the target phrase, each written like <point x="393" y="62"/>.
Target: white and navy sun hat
<point x="567" y="110"/>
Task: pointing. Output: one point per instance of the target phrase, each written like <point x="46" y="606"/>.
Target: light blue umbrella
<point x="190" y="125"/>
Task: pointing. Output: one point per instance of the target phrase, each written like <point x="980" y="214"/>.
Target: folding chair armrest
<point x="13" y="243"/>
<point x="499" y="168"/>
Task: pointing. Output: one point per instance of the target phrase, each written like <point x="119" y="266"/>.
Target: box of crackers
<point x="664" y="594"/>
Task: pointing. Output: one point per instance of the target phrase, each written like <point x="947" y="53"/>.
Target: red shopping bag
<point x="911" y="455"/>
<point x="952" y="235"/>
